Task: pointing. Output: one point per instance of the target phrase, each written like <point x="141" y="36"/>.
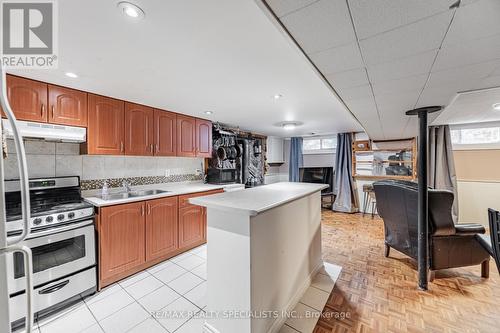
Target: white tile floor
<point x="179" y="285"/>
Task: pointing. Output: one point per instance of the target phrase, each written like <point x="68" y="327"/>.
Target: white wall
<point x="474" y="199"/>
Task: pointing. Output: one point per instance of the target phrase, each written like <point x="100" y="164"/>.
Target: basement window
<point x="319" y="145"/>
<point x="475" y="136"/>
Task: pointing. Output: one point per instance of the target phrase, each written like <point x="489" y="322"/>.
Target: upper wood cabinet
<point x="203" y="138"/>
<point x="67" y="106"/>
<point x="27" y="98"/>
<point x="165" y="133"/>
<point x="186" y="136"/>
<point x="121" y="239"/>
<point x="161" y="227"/>
<point x="139" y="130"/>
<point x="105" y="134"/>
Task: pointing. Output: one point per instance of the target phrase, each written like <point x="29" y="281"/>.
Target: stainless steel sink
<point x="145" y="192"/>
<point x="131" y="194"/>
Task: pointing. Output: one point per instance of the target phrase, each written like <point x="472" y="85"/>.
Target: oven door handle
<point x="54" y="288"/>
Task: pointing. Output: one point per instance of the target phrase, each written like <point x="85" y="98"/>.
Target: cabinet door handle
<point x="151" y="147"/>
<point x="142" y="210"/>
<point x="43" y="109"/>
<point x="157" y="148"/>
<point x="121" y="146"/>
<point x="52" y="111"/>
<point x="149" y="209"/>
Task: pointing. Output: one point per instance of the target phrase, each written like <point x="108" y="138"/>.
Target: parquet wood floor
<point x="380" y="294"/>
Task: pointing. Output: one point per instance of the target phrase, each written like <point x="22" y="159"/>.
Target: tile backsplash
<point x="49" y="159"/>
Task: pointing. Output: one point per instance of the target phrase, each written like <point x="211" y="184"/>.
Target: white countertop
<point x="258" y="199"/>
<point x="173" y="188"/>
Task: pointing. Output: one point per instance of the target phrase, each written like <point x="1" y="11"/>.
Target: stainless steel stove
<point x="62" y="242"/>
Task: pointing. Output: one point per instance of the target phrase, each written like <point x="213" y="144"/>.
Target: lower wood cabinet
<point x="137" y="235"/>
<point x="121" y="239"/>
<point x="161" y="227"/>
<point x="191" y="226"/>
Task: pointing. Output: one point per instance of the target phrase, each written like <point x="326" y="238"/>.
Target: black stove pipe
<point x="423" y="212"/>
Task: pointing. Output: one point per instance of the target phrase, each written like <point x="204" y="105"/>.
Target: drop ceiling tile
<point x="478" y="20"/>
<point x="471" y="52"/>
<point x="401" y="68"/>
<point x="372" y="17"/>
<point x="405" y="84"/>
<point x="418" y="37"/>
<point x="436" y="96"/>
<point x="320" y="26"/>
<point x="348" y="94"/>
<point x="347" y="79"/>
<point x="284" y="7"/>
<point x="464" y="77"/>
<point x="489" y="82"/>
<point x="396" y="102"/>
<point x="338" y="59"/>
<point x="365" y="110"/>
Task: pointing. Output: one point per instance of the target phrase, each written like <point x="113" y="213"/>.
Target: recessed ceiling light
<point x="277" y="96"/>
<point x="71" y="75"/>
<point x="496" y="106"/>
<point x="131" y="10"/>
<point x="289" y="126"/>
<point x="209" y="112"/>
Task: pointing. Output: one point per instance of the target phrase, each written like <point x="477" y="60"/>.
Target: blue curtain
<point x="343" y="185"/>
<point x="296" y="159"/>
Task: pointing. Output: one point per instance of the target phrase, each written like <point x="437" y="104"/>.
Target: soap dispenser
<point x="105" y="189"/>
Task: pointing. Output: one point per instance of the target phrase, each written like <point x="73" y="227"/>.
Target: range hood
<point x="47" y="132"/>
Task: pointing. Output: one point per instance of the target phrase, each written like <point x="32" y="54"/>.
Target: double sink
<point x="131" y="194"/>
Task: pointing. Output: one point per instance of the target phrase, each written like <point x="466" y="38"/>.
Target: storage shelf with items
<point x="391" y="159"/>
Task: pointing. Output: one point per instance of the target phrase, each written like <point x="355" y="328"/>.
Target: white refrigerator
<point x="8" y="245"/>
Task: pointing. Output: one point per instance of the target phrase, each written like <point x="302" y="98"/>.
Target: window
<point x="319" y="145"/>
<point x="475" y="136"/>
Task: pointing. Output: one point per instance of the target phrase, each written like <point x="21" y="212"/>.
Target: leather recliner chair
<point x="450" y="245"/>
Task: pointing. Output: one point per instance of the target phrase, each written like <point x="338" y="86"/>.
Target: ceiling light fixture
<point x="289" y="126"/>
<point x="131" y="10"/>
<point x="496" y="106"/>
<point x="71" y="75"/>
<point x="277" y="96"/>
<point x="209" y="112"/>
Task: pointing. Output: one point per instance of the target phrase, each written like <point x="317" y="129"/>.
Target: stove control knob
<point x="71" y="215"/>
<point x="37" y="221"/>
<point x="60" y="217"/>
<point x="49" y="219"/>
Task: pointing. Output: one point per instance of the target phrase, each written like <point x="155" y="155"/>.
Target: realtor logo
<point x="29" y="34"/>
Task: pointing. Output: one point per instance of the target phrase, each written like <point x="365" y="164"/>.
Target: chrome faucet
<point x="126" y="186"/>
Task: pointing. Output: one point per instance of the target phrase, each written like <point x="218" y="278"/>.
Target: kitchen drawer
<point x="184" y="199"/>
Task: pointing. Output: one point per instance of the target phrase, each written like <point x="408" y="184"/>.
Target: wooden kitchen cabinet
<point x="165" y="133"/>
<point x="138" y="130"/>
<point x="186" y="136"/>
<point x="67" y="106"/>
<point x="191" y="226"/>
<point x="161" y="228"/>
<point x="105" y="134"/>
<point x="27" y="98"/>
<point x="192" y="220"/>
<point x="203" y="138"/>
<point x="121" y="239"/>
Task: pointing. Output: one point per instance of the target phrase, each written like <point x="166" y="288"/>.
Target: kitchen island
<point x="264" y="248"/>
